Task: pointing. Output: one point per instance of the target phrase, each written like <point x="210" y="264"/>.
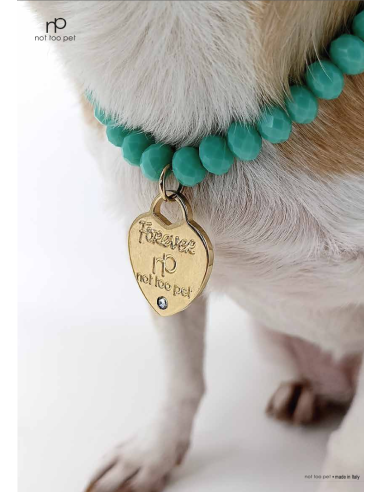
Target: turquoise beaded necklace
<point x="216" y="154"/>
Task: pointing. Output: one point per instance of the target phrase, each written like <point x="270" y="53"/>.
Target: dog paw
<point x="139" y="465"/>
<point x="295" y="402"/>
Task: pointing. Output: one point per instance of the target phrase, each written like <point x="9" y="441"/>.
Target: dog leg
<point x="143" y="463"/>
<point x="346" y="448"/>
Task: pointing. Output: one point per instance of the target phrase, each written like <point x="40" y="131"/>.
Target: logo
<point x="164" y="264"/>
<point x="51" y="31"/>
<point x="56" y="24"/>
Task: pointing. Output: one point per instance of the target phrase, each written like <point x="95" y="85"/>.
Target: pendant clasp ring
<point x="163" y="190"/>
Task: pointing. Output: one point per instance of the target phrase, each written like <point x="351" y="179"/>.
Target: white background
<point x="89" y="365"/>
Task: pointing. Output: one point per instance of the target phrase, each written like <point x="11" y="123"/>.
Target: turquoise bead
<point x="302" y="106"/>
<point x="134" y="144"/>
<point x="244" y="141"/>
<point x="215" y="154"/>
<point x="325" y="80"/>
<point x="187" y="167"/>
<point x="102" y="117"/>
<point x="347" y="52"/>
<point x="154" y="159"/>
<point x="116" y="134"/>
<point x="358" y="25"/>
<point x="274" y="125"/>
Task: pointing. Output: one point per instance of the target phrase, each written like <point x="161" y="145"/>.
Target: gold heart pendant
<point x="171" y="262"/>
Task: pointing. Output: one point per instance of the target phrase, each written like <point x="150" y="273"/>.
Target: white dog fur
<point x="288" y="240"/>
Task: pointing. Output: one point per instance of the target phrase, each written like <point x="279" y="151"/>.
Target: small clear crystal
<point x="162" y="302"/>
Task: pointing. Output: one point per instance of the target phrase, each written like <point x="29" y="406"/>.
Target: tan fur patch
<point x="294" y="34"/>
<point x="334" y="142"/>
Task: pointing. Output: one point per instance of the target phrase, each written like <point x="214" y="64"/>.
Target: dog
<point x="287" y="228"/>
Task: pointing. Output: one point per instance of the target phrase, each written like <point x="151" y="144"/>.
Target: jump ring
<point x="163" y="189"/>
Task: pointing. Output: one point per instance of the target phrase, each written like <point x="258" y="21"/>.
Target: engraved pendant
<point x="171" y="262"/>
